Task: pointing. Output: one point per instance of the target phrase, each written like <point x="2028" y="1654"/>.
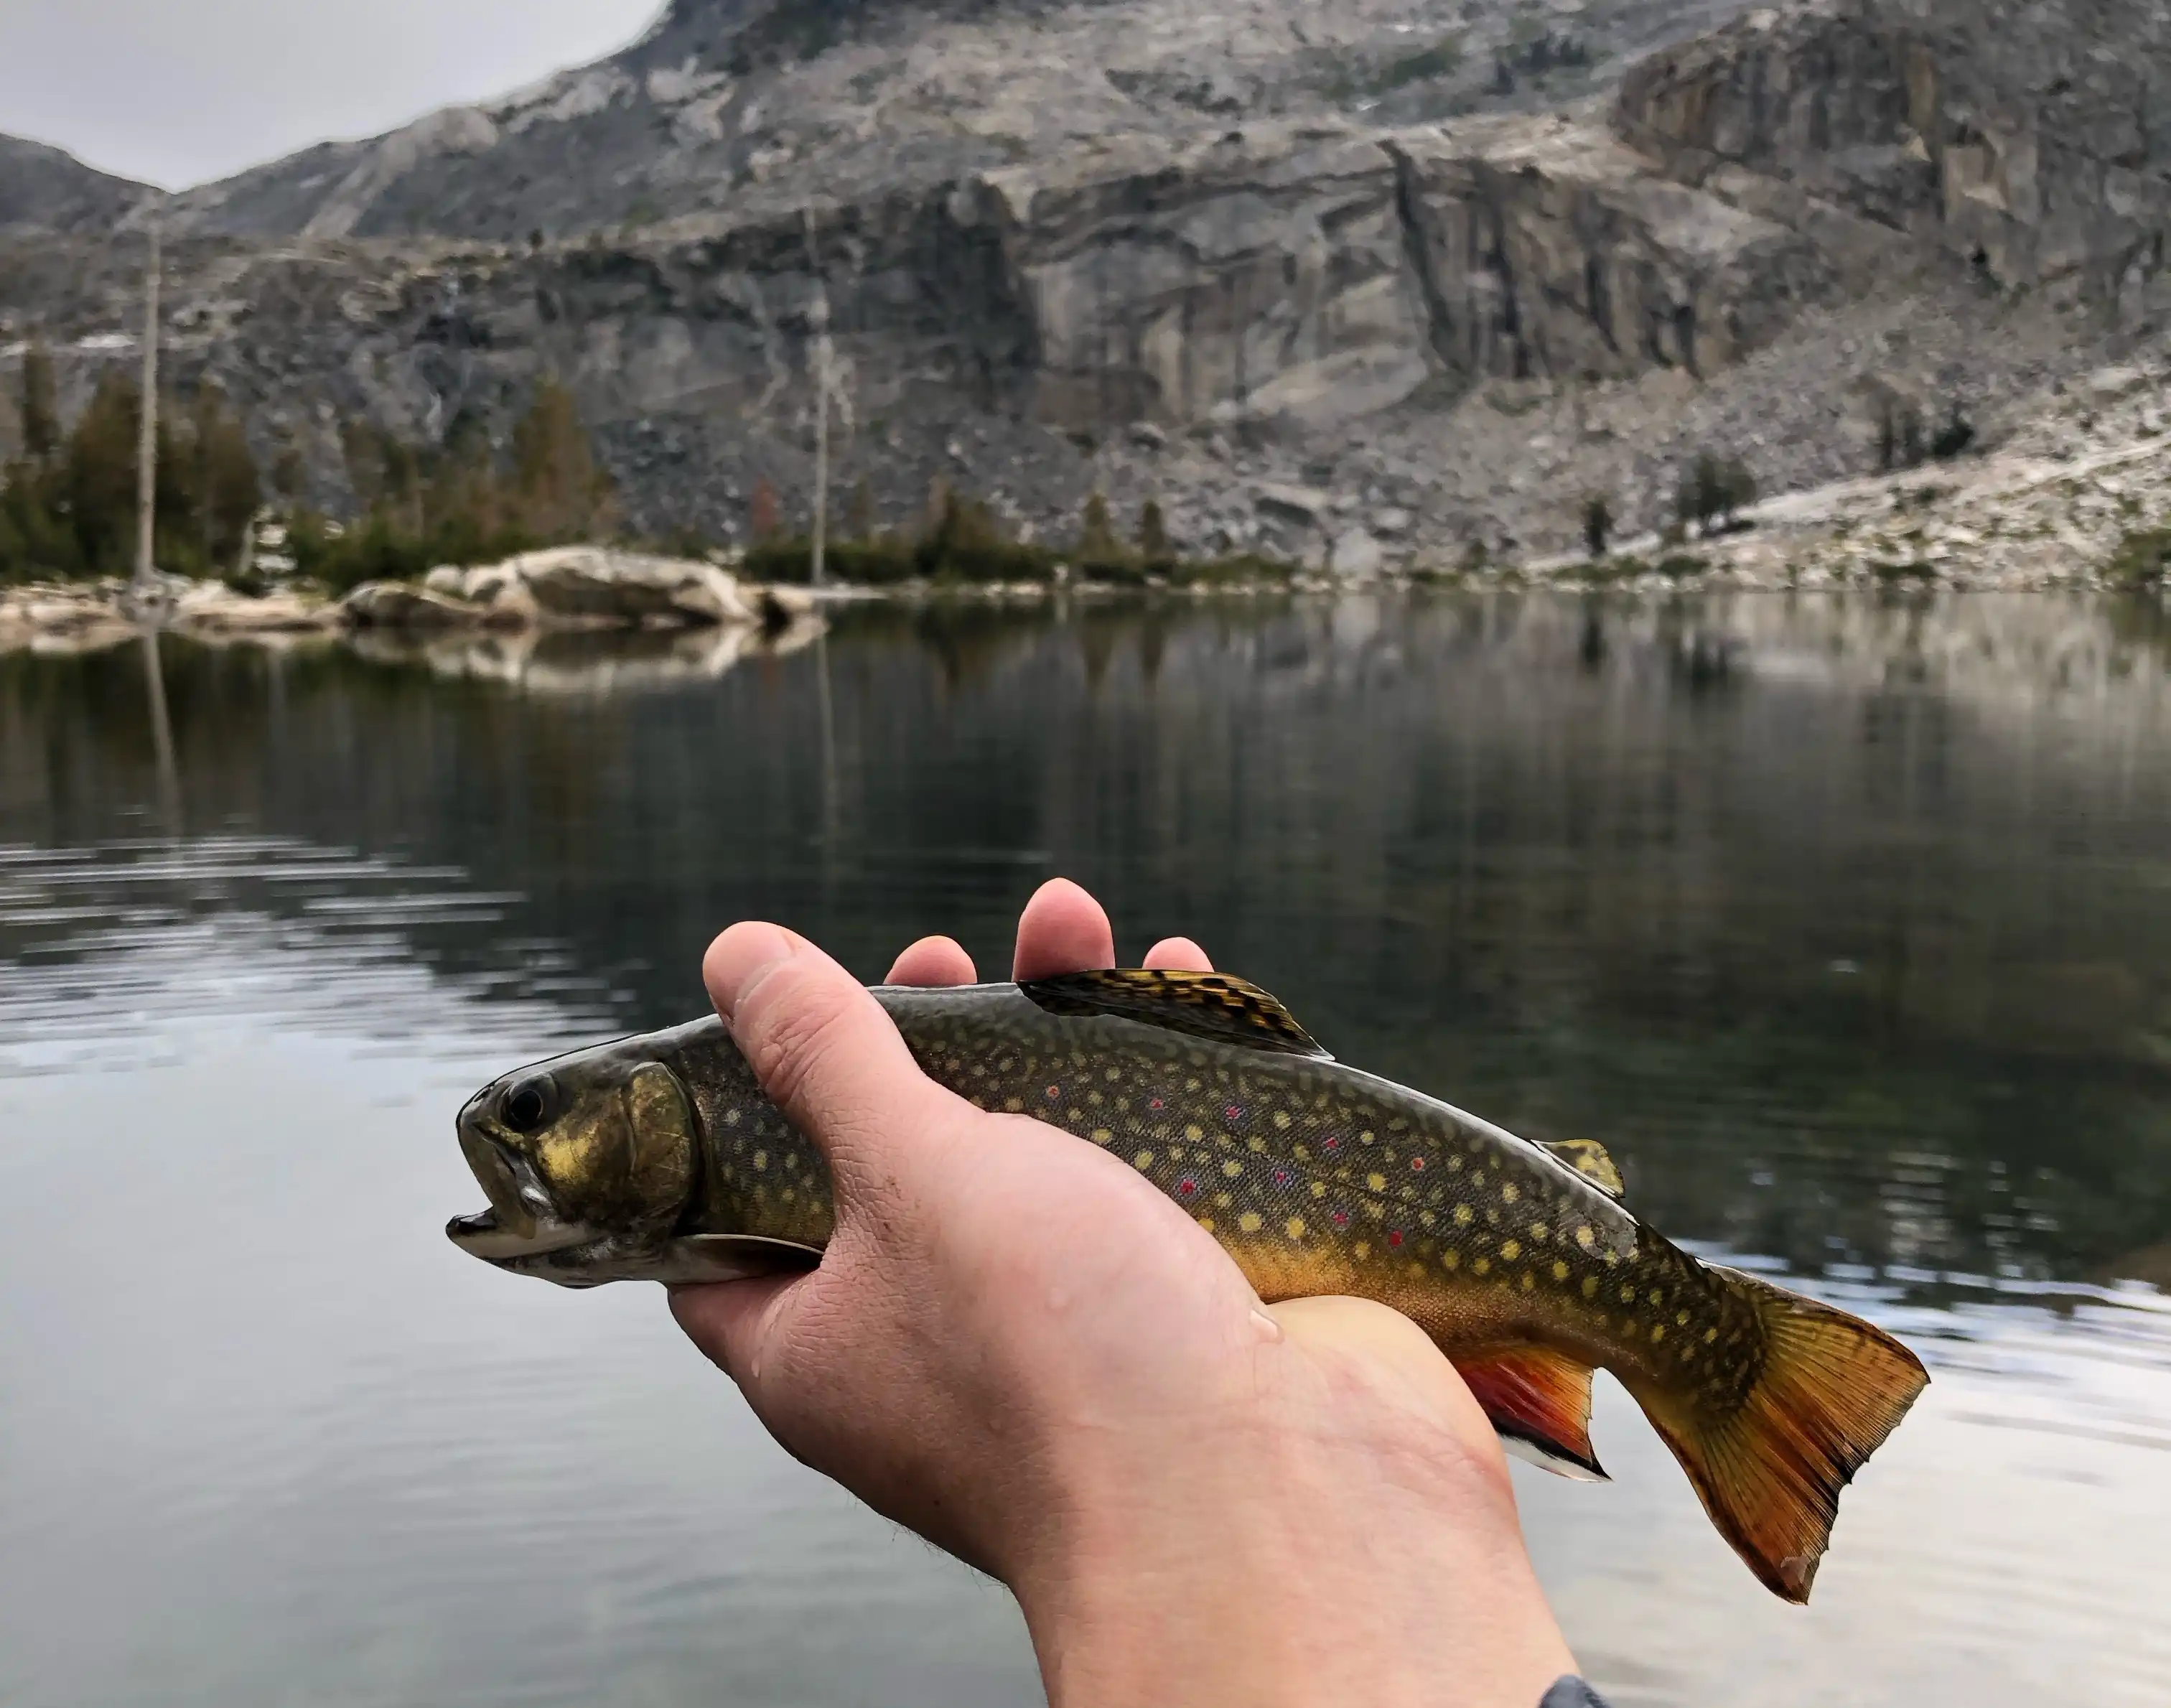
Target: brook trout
<point x="658" y="1158"/>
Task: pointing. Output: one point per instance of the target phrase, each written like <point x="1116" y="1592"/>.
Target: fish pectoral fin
<point x="1590" y="1159"/>
<point x="1539" y="1401"/>
<point x="1208" y="1006"/>
<point x="694" y="1258"/>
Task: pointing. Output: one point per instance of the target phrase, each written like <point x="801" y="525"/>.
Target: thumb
<point x="825" y="1052"/>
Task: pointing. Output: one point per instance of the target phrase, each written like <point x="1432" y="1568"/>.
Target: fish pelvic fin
<point x="1832" y="1388"/>
<point x="1540" y="1402"/>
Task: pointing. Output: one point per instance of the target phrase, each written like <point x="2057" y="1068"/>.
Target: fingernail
<point x="740" y="959"/>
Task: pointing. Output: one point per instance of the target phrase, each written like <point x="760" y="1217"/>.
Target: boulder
<point x="1356" y="556"/>
<point x="213" y="608"/>
<point x="592" y="587"/>
<point x="398" y="605"/>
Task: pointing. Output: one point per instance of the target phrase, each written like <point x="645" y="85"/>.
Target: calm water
<point x="1846" y="925"/>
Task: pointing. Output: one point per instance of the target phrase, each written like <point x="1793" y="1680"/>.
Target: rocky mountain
<point x="1432" y="270"/>
<point x="43" y="189"/>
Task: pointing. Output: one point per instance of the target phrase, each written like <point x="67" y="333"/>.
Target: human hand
<point x="1019" y="1348"/>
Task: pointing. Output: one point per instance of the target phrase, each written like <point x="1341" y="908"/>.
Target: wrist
<point x="1293" y="1560"/>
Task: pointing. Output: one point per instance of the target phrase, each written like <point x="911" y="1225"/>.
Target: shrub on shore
<point x="2142" y="561"/>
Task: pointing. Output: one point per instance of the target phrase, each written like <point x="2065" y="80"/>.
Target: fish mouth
<point x="520" y="1220"/>
<point x="485" y="1235"/>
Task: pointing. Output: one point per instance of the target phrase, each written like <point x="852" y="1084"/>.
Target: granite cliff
<point x="1435" y="272"/>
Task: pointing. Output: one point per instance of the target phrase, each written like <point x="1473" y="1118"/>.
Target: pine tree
<point x="1597" y="524"/>
<point x="562" y="494"/>
<point x="1153" y="537"/>
<point x="1096" y="535"/>
<point x="41" y="408"/>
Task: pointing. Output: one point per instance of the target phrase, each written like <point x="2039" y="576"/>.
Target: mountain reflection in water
<point x="1845" y="923"/>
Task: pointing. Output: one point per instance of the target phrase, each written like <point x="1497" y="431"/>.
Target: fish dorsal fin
<point x="1209" y="1005"/>
<point x="1589" y="1159"/>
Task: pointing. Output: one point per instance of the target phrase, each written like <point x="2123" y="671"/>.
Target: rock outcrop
<point x="44" y="190"/>
<point x="2033" y="143"/>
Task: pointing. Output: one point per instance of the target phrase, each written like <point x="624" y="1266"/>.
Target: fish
<point x="659" y="1157"/>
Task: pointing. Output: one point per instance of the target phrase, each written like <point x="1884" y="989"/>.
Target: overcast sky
<point x="177" y="91"/>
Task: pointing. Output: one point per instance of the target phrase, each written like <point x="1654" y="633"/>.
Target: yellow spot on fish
<point x="1207" y="1223"/>
<point x="1709" y="1336"/>
<point x="1529" y="1281"/>
<point x="1560" y="1271"/>
<point x="1296" y="1227"/>
<point x="761" y="1159"/>
<point x="1657" y="1333"/>
<point x="1450" y="1259"/>
<point x="1463" y="1215"/>
<point x="1681" y="1319"/>
<point x="1101" y="1135"/>
<point x="1014" y="1104"/>
<point x="1585" y="1238"/>
<point x="1511" y="1249"/>
<point x="1484" y="1266"/>
<point x="1627" y="1295"/>
<point x="1366" y="1137"/>
<point x="1538" y="1230"/>
<point x="1509" y="1191"/>
<point x="1249" y="1221"/>
<point x="1223" y="1200"/>
<point x="1416" y="1269"/>
<point x="1364" y="1248"/>
<point x="1377" y="1183"/>
<point x="730" y="1117"/>
<point x="1195" y="1133"/>
<point x="1143" y="1159"/>
<point x="1319" y="1189"/>
<point x="1281" y="1119"/>
<point x="1232" y="1167"/>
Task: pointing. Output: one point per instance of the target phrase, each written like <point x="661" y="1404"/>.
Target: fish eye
<point x="526" y="1106"/>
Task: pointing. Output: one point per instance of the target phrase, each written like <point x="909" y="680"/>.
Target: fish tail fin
<point x="1832" y="1388"/>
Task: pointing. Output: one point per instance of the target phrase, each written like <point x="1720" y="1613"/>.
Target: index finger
<point x="822" y="1046"/>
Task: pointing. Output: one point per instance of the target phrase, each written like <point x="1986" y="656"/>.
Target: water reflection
<point x="1843" y="923"/>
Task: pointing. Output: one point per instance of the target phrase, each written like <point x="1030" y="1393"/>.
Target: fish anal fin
<point x="1590" y="1159"/>
<point x="1212" y="1006"/>
<point x="1539" y="1401"/>
<point x="1769" y="1471"/>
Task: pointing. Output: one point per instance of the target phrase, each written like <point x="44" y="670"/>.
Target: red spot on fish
<point x="1281" y="1177"/>
<point x="1155" y="1103"/>
<point x="1332" y="1142"/>
<point x="1395" y="1237"/>
<point x="1235" y="1111"/>
<point x="1188" y="1186"/>
<point x="1341" y="1219"/>
<point x="1417" y="1165"/>
<point x="1054" y="1092"/>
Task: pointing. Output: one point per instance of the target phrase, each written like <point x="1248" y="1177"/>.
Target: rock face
<point x="1170" y="253"/>
<point x="2033" y="143"/>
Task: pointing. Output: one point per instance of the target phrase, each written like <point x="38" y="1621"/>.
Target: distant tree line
<point x="460" y="502"/>
<point x="961" y="539"/>
<point x="68" y="501"/>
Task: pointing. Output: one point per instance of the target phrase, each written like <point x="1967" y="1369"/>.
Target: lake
<point x="1844" y="923"/>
